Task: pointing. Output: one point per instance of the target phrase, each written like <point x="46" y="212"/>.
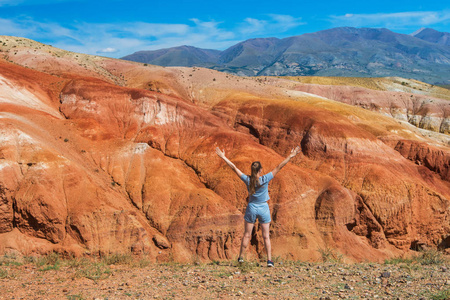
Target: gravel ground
<point x="85" y="279"/>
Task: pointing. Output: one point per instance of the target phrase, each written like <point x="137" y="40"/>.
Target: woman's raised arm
<point x="221" y="154"/>
<point x="293" y="153"/>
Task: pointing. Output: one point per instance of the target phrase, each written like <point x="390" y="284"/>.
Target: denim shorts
<point x="258" y="211"/>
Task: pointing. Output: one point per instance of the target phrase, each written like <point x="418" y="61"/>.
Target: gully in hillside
<point x="257" y="208"/>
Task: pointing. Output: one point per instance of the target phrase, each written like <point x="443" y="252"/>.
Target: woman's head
<point x="254" y="183"/>
<point x="256" y="167"/>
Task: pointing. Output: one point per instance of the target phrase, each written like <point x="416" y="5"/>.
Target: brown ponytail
<point x="254" y="182"/>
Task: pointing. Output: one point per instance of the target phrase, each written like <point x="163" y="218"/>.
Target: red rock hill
<point x="106" y="156"/>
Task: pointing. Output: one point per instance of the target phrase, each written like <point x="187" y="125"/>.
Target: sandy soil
<point x="84" y="279"/>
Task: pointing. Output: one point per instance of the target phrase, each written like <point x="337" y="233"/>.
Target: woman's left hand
<point x="220" y="153"/>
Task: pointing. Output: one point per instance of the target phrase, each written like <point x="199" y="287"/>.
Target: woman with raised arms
<point x="257" y="208"/>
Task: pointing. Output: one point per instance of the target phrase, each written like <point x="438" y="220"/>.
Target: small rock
<point x="386" y="274"/>
<point x="161" y="241"/>
<point x="443" y="269"/>
<point x="347" y="287"/>
<point x="448" y="282"/>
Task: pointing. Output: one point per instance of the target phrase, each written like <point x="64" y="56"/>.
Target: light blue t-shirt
<point x="261" y="194"/>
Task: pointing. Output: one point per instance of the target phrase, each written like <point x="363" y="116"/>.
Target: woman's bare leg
<point x="248" y="228"/>
<point x="266" y="236"/>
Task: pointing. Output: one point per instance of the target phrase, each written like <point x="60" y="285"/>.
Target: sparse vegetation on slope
<point x="392" y="84"/>
<point x="365" y="82"/>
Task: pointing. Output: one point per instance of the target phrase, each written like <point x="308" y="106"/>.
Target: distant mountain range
<point x="433" y="36"/>
<point x="344" y="51"/>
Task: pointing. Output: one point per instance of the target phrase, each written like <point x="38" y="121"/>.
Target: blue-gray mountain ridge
<point x="344" y="51"/>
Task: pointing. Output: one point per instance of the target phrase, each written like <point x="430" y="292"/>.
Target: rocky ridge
<point x="342" y="51"/>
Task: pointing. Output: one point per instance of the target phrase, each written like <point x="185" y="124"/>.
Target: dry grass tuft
<point x="330" y="255"/>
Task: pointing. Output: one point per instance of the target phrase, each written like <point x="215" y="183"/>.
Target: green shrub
<point x="4" y="274"/>
<point x="48" y="262"/>
<point x="431" y="257"/>
<point x="75" y="297"/>
<point x="398" y="260"/>
<point x="441" y="295"/>
<point x="425" y="257"/>
<point x="78" y="262"/>
<point x="247" y="267"/>
<point x="329" y="255"/>
<point x="10" y="260"/>
<point x="118" y="259"/>
<point x="94" y="271"/>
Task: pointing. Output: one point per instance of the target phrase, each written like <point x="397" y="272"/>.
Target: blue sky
<point x="116" y="28"/>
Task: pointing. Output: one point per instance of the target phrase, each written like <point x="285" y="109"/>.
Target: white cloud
<point x="120" y="39"/>
<point x="10" y="2"/>
<point x="287" y="22"/>
<point x="156" y="30"/>
<point x="401" y="20"/>
<point x="274" y="24"/>
<point x="253" y="26"/>
<point x="108" y="50"/>
<point x="210" y="30"/>
<point x="25" y="26"/>
<point x="33" y="2"/>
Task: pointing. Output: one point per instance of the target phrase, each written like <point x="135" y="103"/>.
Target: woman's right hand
<point x="294" y="151"/>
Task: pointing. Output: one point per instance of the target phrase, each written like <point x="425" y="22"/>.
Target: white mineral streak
<point x="10" y="93"/>
<point x="303" y="94"/>
<point x="159" y="113"/>
<point x="140" y="148"/>
<point x="10" y="136"/>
